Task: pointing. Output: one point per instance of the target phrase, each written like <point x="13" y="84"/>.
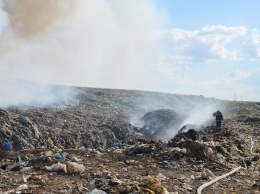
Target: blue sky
<point x="193" y="15"/>
<point x="209" y="48"/>
<point x="218" y="42"/>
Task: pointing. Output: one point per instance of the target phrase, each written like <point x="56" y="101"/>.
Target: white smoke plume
<point x="192" y="112"/>
<point x="197" y="118"/>
<point x="200" y="115"/>
<point x="95" y="43"/>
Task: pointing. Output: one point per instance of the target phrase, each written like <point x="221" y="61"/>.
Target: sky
<point x="209" y="48"/>
<point x="217" y="44"/>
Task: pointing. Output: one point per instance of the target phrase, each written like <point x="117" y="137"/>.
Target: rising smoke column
<point x="95" y="43"/>
<point x="31" y="18"/>
<point x="25" y="19"/>
<point x="24" y="22"/>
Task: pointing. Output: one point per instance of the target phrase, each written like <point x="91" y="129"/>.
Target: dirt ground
<point x="112" y="169"/>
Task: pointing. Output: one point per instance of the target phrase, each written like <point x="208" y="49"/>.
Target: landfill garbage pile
<point x="30" y="128"/>
<point x="179" y="165"/>
<point x="89" y="146"/>
<point x="157" y="123"/>
<point x="93" y="118"/>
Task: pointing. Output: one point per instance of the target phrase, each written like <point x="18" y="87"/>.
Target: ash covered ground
<point x="122" y="141"/>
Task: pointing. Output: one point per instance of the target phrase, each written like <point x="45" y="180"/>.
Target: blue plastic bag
<point x="8" y="146"/>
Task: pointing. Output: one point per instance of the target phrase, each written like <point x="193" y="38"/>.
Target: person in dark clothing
<point x="219" y="118"/>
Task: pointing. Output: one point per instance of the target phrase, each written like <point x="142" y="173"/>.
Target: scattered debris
<point x="89" y="146"/>
<point x="74" y="167"/>
<point x="57" y="168"/>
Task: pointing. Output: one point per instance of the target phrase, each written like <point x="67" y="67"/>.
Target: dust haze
<point x="90" y="43"/>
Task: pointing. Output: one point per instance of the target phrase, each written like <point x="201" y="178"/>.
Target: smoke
<point x="194" y="112"/>
<point x="21" y="93"/>
<point x="200" y="115"/>
<point x="30" y="18"/>
<point x="196" y="118"/>
<point x="92" y="43"/>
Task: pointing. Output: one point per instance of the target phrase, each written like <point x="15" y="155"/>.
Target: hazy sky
<point x="209" y="48"/>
